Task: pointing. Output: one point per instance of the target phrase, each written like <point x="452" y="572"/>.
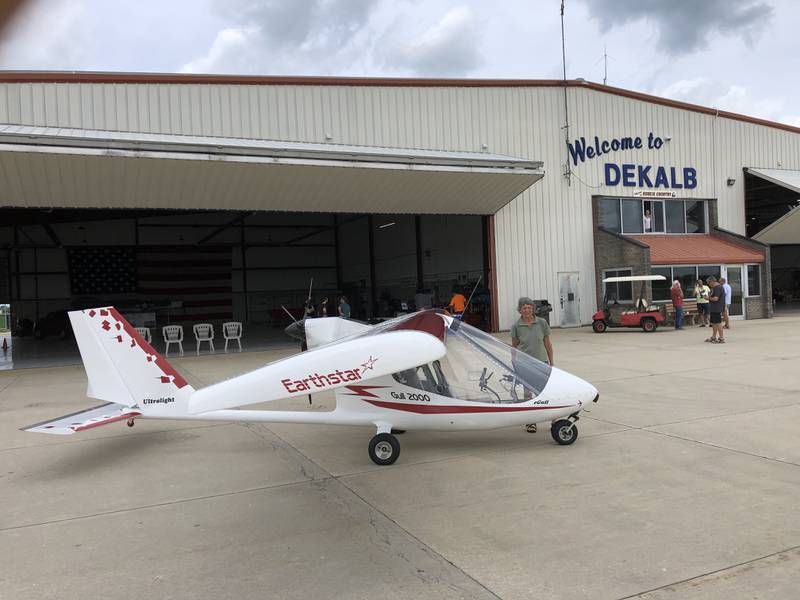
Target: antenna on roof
<point x="567" y="169"/>
<point x="605" y="58"/>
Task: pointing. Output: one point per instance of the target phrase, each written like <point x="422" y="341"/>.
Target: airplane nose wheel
<point x="564" y="432"/>
<point x="384" y="449"/>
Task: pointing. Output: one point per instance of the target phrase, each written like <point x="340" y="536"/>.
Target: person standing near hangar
<point x="716" y="306"/>
<point x="457" y="304"/>
<point x="531" y="336"/>
<point x="676" y="293"/>
<point x="701" y="292"/>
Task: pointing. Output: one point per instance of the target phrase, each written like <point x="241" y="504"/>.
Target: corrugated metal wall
<point x="545" y="230"/>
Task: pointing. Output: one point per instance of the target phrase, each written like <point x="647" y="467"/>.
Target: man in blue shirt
<point x="728" y="295"/>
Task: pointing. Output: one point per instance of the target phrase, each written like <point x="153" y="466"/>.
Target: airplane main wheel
<point x="384" y="449"/>
<point x="564" y="432"/>
<point x="131" y="423"/>
<point x="599" y="326"/>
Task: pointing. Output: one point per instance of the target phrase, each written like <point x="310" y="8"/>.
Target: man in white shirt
<point x="728" y="295"/>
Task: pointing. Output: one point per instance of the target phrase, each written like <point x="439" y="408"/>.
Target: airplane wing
<point x="85" y="419"/>
<point x="374" y="354"/>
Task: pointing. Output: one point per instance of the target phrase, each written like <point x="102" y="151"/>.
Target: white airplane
<point x="424" y="371"/>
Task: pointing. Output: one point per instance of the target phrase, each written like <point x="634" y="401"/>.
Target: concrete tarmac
<point x="684" y="483"/>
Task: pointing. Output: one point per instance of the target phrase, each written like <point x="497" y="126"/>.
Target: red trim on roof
<point x="697" y="250"/>
<point x="428" y="321"/>
<point x="187" y="79"/>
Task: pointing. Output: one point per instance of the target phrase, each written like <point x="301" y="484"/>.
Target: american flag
<point x="102" y="270"/>
<point x="199" y="277"/>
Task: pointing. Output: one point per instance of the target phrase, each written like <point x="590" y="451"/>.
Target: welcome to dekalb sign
<point x="629" y="174"/>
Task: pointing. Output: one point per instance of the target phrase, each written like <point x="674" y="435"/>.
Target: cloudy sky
<point x="736" y="55"/>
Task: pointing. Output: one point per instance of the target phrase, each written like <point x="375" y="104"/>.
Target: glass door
<point x="733" y="273"/>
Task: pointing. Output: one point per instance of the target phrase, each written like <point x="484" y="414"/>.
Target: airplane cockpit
<point x="480" y="368"/>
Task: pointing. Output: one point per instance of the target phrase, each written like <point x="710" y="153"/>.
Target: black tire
<point x="649" y="325"/>
<point x="564" y="432"/>
<point x="599" y="326"/>
<point x="384" y="449"/>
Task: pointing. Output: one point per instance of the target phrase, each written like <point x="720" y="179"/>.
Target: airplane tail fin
<point x="123" y="368"/>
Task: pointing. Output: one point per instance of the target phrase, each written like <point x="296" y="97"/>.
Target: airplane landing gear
<point x="130" y="423"/>
<point x="564" y="432"/>
<point x="384" y="449"/>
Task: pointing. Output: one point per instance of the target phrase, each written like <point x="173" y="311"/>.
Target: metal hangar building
<point x="218" y="197"/>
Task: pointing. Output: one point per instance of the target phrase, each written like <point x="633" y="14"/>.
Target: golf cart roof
<point x="634" y="278"/>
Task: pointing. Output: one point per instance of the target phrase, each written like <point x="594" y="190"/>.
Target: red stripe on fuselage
<point x="363" y="390"/>
<point x="444" y="409"/>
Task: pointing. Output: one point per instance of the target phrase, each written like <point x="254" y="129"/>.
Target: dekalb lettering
<point x="647" y="176"/>
<point x="320" y="381"/>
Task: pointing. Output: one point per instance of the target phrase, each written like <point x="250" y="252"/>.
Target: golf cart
<point x="613" y="314"/>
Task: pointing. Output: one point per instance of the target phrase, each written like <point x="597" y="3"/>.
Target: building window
<point x="753" y="280"/>
<point x="676" y="218"/>
<point x="695" y="216"/>
<point x="661" y="288"/>
<point x="706" y="271"/>
<point x="621" y="291"/>
<point x="631" y="216"/>
<point x="688" y="277"/>
<point x="609" y="214"/>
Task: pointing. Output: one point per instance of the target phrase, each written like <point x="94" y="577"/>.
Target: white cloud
<point x="226" y="52"/>
<point x="450" y="47"/>
<point x="47" y="35"/>
<point x="731" y="98"/>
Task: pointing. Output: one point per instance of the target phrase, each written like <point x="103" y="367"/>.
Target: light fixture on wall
<point x="731" y="181"/>
<point x="385" y="225"/>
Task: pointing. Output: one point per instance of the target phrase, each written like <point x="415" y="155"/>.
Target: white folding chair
<point x="173" y="334"/>
<point x="204" y="332"/>
<point x="232" y="331"/>
<point x="145" y="333"/>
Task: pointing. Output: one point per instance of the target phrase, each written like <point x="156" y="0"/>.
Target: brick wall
<point x="614" y="251"/>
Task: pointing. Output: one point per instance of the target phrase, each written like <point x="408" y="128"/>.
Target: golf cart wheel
<point x="599" y="326"/>
<point x="649" y="325"/>
<point x="384" y="449"/>
<point x="564" y="432"/>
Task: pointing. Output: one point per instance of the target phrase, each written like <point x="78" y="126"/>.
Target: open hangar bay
<point x="684" y="484"/>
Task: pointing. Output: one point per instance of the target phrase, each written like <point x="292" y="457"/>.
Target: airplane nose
<point x="573" y="388"/>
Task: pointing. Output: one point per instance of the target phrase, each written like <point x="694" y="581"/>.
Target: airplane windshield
<point x="477" y="366"/>
<point x="480" y="368"/>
